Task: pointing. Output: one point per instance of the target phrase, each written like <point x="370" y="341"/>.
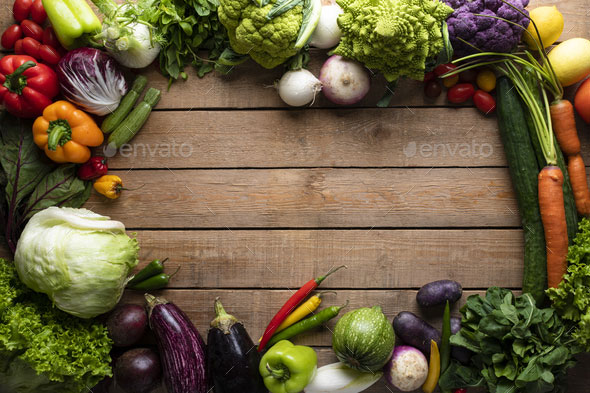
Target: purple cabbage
<point x="486" y="33"/>
<point x="92" y="80"/>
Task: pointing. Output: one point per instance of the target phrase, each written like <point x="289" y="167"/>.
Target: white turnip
<point x="345" y="81"/>
<point x="327" y="34"/>
<point x="407" y="370"/>
<point x="298" y="88"/>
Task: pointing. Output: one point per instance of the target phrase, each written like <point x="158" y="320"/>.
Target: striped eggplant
<point x="182" y="349"/>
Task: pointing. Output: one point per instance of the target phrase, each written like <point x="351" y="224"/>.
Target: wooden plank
<point x="318" y="198"/>
<point x="375" y="259"/>
<point x="319" y="138"/>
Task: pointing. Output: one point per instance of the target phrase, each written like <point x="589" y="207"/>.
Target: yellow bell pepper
<point x="65" y="132"/>
<point x="109" y="186"/>
<point x="433" y="369"/>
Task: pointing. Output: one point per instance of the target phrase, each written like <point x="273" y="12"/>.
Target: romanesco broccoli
<point x="395" y="37"/>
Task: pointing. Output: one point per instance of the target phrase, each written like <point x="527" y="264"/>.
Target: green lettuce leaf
<point x="42" y="349"/>
<point x="571" y="299"/>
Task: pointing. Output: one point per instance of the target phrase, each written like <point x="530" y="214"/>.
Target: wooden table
<point x="252" y="199"/>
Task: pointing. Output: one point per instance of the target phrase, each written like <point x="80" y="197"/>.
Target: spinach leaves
<point x="517" y="346"/>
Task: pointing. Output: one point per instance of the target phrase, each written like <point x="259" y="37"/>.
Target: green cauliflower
<point x="268" y="42"/>
<point x="395" y="37"/>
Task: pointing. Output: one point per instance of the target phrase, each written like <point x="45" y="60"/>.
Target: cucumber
<point x="114" y="119"/>
<point x="136" y="119"/>
<point x="524" y="169"/>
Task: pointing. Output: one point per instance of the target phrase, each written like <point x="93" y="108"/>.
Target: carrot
<point x="577" y="172"/>
<point x="554" y="224"/>
<point x="564" y="127"/>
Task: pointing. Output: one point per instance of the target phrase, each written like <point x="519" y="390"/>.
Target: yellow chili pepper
<point x="433" y="369"/>
<point x="65" y="132"/>
<point x="109" y="186"/>
<point x="302" y="311"/>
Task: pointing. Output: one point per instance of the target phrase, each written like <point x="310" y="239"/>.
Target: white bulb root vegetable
<point x="345" y="81"/>
<point x="298" y="88"/>
<point x="327" y="33"/>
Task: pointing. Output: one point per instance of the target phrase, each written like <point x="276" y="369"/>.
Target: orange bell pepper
<point x="65" y="132"/>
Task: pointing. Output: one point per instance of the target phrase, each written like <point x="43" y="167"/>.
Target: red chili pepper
<point x="290" y="305"/>
<point x="26" y="87"/>
<point x="94" y="168"/>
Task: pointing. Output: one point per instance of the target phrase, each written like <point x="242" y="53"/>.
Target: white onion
<point x="345" y="81"/>
<point x="298" y="88"/>
<point x="327" y="34"/>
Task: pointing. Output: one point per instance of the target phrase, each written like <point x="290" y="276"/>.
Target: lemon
<point x="549" y="22"/>
<point x="571" y="60"/>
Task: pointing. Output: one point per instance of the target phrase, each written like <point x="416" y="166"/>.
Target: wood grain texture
<point x="375" y="259"/>
<point x="320" y="198"/>
<point x="314" y="138"/>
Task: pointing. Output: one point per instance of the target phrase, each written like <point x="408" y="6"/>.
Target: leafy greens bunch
<point x="42" y="349"/>
<point x="571" y="298"/>
<point x="517" y="346"/>
<point x="30" y="182"/>
<point x="187" y="28"/>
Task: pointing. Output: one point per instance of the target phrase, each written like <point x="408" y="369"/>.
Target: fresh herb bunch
<point x="188" y="28"/>
<point x="29" y="181"/>
<point x="43" y="349"/>
<point x="571" y="298"/>
<point x="517" y="346"/>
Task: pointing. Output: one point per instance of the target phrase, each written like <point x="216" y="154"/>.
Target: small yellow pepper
<point x="302" y="311"/>
<point x="109" y="186"/>
<point x="65" y="132"/>
<point x="486" y="80"/>
<point x="433" y="369"/>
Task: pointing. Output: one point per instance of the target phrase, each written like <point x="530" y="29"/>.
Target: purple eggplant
<point x="181" y="347"/>
<point x="232" y="358"/>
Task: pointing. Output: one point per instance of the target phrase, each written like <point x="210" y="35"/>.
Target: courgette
<point x="136" y="119"/>
<point x="523" y="167"/>
<point x="114" y="119"/>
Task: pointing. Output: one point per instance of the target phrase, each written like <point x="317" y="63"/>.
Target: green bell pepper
<point x="72" y="21"/>
<point x="288" y="368"/>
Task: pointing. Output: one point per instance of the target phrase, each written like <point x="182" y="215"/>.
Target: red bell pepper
<point x="94" y="168"/>
<point x="26" y="87"/>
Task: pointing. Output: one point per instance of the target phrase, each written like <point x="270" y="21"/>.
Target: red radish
<point x="345" y="81"/>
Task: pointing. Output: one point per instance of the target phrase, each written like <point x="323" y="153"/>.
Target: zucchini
<point x="136" y="119"/>
<point x="524" y="169"/>
<point x="115" y="118"/>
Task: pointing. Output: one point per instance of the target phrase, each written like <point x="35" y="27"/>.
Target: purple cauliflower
<point x="485" y="33"/>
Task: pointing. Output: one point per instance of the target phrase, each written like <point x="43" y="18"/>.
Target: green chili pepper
<point x="307" y="324"/>
<point x="154" y="267"/>
<point x="158" y="281"/>
<point x="445" y="342"/>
